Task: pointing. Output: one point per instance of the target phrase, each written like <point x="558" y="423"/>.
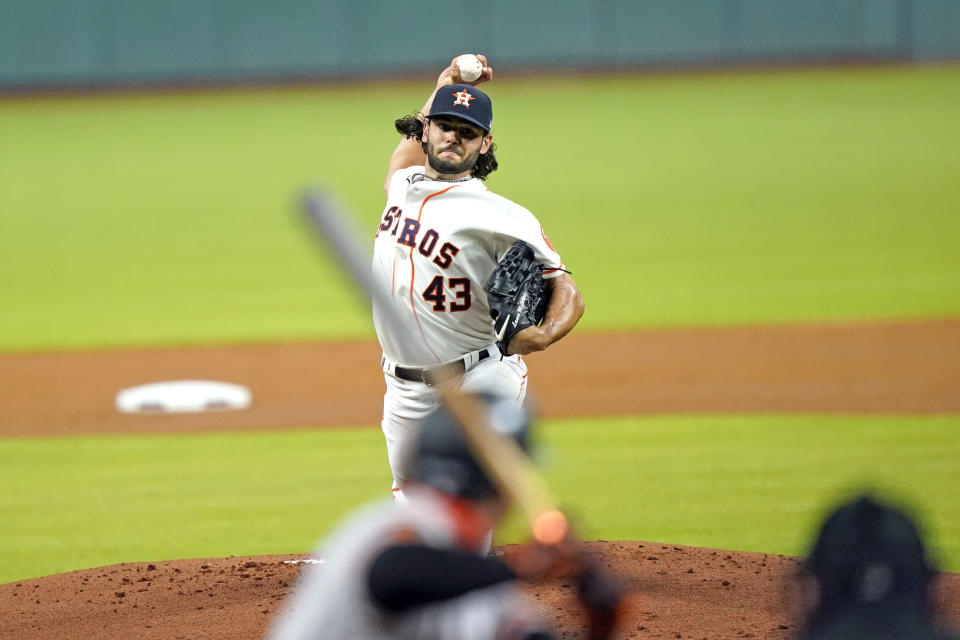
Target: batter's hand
<point x="537" y="562"/>
<point x="449" y="75"/>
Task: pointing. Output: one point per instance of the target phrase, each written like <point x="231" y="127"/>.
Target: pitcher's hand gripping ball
<point x="469" y="67"/>
<point x="517" y="293"/>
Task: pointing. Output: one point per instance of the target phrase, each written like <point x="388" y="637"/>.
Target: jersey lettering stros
<point x="436" y="245"/>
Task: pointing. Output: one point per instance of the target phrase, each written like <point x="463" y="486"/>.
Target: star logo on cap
<point x="463" y="98"/>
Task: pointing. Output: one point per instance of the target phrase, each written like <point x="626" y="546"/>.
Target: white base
<point x="183" y="396"/>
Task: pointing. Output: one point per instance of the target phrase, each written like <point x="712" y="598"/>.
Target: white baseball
<point x="470" y="67"/>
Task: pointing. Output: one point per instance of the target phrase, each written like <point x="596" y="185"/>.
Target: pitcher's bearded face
<point x="453" y="146"/>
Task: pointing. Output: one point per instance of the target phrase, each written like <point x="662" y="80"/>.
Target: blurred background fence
<point x="92" y="43"/>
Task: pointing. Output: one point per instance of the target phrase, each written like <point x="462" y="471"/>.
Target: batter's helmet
<point x="868" y="552"/>
<point x="441" y="457"/>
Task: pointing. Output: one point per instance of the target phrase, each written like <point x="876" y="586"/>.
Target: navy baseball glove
<point x="517" y="293"/>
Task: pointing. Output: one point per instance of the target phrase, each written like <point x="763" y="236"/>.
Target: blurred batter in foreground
<point x="419" y="571"/>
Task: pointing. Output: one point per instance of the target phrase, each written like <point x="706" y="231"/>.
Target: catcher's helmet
<point x="867" y="552"/>
<point x="441" y="457"/>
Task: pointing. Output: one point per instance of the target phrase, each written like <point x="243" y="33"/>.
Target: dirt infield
<point x="679" y="592"/>
<point x="891" y="367"/>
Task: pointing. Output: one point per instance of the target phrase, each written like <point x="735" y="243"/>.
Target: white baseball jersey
<point x="436" y="246"/>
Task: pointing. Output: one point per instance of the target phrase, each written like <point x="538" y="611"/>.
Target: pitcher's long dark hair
<point x="412" y="127"/>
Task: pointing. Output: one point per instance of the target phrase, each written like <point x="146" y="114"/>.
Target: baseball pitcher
<point x="471" y="270"/>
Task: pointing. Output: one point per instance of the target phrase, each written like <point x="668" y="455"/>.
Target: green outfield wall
<point x="78" y="43"/>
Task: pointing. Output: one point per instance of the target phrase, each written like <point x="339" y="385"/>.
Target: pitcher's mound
<point x="674" y="592"/>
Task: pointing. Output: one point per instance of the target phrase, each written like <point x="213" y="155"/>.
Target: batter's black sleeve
<point x="405" y="576"/>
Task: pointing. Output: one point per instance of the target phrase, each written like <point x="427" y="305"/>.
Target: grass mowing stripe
<point x="738" y="482"/>
<point x="723" y="198"/>
<point x="752" y="482"/>
<point x="89" y="501"/>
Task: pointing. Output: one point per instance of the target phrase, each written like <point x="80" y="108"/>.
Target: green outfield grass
<point x="749" y="483"/>
<point x="690" y="200"/>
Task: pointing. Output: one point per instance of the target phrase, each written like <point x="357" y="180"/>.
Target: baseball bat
<point x="510" y="469"/>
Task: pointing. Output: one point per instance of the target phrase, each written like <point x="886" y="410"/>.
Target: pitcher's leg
<point x="405" y="405"/>
<point x="506" y="378"/>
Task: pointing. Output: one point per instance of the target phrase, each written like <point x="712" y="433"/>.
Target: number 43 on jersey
<point x="461" y="294"/>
